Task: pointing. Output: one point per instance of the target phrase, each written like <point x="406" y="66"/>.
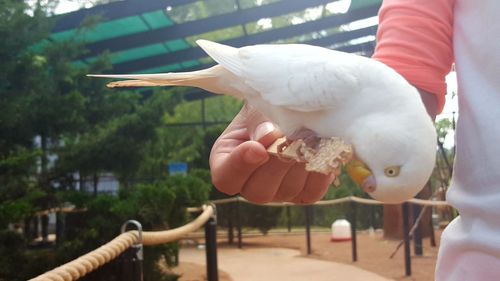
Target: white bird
<point x="314" y="92"/>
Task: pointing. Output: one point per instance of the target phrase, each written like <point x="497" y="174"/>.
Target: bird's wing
<point x="299" y="77"/>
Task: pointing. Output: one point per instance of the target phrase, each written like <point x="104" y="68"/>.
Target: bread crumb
<point x="327" y="158"/>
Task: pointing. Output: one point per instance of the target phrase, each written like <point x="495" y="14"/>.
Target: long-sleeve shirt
<point x="421" y="39"/>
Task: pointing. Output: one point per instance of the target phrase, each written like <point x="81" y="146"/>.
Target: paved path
<point x="278" y="264"/>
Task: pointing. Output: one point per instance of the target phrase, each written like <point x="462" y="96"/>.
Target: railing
<point x="130" y="243"/>
<point x="407" y="232"/>
<point x="133" y="241"/>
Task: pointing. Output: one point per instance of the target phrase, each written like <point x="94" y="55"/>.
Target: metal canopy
<point x="159" y="35"/>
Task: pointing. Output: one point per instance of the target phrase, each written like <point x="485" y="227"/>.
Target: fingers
<point x="258" y="126"/>
<point x="265" y="181"/>
<point x="315" y="188"/>
<point x="292" y="184"/>
<point x="266" y="134"/>
<point x="234" y="157"/>
<point x="231" y="170"/>
<point x="239" y="163"/>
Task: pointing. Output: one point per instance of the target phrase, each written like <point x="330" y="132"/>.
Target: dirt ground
<point x="194" y="272"/>
<point x="373" y="254"/>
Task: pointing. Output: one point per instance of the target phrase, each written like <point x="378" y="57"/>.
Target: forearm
<point x="430" y="102"/>
<point x="415" y="39"/>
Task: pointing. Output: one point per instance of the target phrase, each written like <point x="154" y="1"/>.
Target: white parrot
<point x="312" y="92"/>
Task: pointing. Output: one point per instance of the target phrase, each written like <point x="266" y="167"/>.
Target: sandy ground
<point x="252" y="264"/>
<point x="189" y="271"/>
<point x="373" y="253"/>
<point x="373" y="256"/>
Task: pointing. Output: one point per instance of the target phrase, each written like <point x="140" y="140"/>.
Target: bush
<point x="157" y="206"/>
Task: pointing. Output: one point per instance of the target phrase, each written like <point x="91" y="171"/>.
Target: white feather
<point x="331" y="93"/>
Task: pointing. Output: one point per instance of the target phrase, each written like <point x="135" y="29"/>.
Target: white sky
<point x="451" y="98"/>
<point x="66" y="6"/>
<point x="450" y="107"/>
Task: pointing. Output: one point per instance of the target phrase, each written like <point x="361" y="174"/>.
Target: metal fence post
<point x="211" y="247"/>
<point x="36" y="227"/>
<point x="308" y="213"/>
<point x="288" y="219"/>
<point x="44" y="219"/>
<point x="238" y="223"/>
<point x="417" y="235"/>
<point x="354" y="243"/>
<point x="230" y="225"/>
<point x="406" y="236"/>
<point x="132" y="258"/>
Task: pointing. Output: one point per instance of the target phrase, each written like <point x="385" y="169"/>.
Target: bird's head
<point x="393" y="163"/>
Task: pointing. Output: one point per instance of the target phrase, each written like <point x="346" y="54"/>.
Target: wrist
<point x="430" y="102"/>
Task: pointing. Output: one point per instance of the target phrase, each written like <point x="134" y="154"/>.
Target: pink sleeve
<point x="415" y="39"/>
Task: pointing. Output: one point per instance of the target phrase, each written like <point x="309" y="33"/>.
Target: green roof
<point x="160" y="35"/>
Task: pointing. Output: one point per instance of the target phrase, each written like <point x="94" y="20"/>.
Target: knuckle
<point x="223" y="185"/>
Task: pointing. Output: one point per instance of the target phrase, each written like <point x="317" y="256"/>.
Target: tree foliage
<point x="55" y="123"/>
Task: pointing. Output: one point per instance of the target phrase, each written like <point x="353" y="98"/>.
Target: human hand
<point x="239" y="163"/>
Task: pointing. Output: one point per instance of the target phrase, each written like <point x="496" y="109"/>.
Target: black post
<point x="131" y="264"/>
<point x="289" y="219"/>
<point x="230" y="232"/>
<point x="354" y="220"/>
<point x="372" y="216"/>
<point x="433" y="235"/>
<point x="60" y="226"/>
<point x="417" y="235"/>
<point x="211" y="249"/>
<point x="36" y="227"/>
<point x="44" y="219"/>
<point x="131" y="259"/>
<point x="27" y="228"/>
<point x="308" y="212"/>
<point x="406" y="236"/>
<point x="238" y="225"/>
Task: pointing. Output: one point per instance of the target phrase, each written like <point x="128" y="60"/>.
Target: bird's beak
<point x="361" y="175"/>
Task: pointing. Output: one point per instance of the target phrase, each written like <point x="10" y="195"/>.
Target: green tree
<point x="18" y="81"/>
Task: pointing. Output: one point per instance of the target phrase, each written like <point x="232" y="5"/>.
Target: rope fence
<point x="352" y="200"/>
<point x="416" y="201"/>
<point x="89" y="262"/>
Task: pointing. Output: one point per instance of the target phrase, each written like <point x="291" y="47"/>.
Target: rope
<point x="423" y="202"/>
<point x="333" y="201"/>
<point x="85" y="264"/>
<point x="227" y="200"/>
<point x="89" y="262"/>
<point x="161" y="237"/>
<point x="356" y="199"/>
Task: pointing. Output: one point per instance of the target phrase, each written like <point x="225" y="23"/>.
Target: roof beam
<point x="260" y="38"/>
<point x="183" y="30"/>
<point x="114" y="10"/>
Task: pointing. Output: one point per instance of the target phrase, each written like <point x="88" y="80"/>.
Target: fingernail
<point x="251" y="156"/>
<point x="262" y="130"/>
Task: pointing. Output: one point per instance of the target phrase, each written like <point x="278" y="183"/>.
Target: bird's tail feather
<point x="224" y="55"/>
<point x="205" y="79"/>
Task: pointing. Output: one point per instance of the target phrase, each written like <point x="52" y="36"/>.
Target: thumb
<point x="231" y="170"/>
<point x="258" y="126"/>
<point x="266" y="133"/>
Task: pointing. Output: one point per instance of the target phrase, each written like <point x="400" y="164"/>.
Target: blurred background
<point x="78" y="159"/>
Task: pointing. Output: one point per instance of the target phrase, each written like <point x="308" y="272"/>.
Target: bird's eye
<point x="392" y="171"/>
